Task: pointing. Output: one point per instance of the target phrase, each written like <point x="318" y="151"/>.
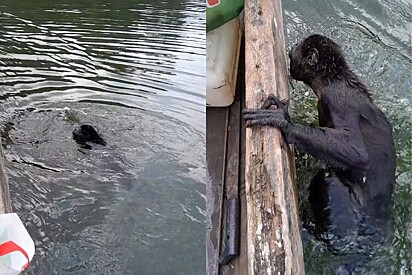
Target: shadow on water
<point x="376" y="40"/>
<point x="136" y="71"/>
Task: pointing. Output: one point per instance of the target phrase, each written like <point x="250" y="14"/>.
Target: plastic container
<point x="16" y="245"/>
<point x="222" y="58"/>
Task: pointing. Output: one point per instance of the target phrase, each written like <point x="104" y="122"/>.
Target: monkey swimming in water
<point x="86" y="134"/>
<point x="353" y="194"/>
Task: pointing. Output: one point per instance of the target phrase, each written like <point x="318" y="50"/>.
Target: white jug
<point x="16" y="245"/>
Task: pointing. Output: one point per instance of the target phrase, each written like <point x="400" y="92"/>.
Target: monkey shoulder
<point x="341" y="105"/>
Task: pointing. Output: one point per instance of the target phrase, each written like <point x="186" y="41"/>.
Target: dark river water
<point x="376" y="38"/>
<point x="135" y="70"/>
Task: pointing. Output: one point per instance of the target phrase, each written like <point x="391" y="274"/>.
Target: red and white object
<point x="16" y="245"/>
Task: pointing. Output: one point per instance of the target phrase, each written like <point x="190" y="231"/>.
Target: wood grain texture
<point x="273" y="237"/>
<point x="216" y="139"/>
<point x="5" y="204"/>
<point x="238" y="266"/>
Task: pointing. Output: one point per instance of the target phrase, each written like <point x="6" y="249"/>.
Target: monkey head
<point x="316" y="57"/>
<point x="86" y="133"/>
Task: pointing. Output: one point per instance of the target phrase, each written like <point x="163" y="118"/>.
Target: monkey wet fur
<point x="354" y="139"/>
<point x="87" y="134"/>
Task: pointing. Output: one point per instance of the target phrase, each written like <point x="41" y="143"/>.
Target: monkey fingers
<point x="285" y="104"/>
<point x="273" y="100"/>
<point x="274" y="118"/>
<point x="269" y="101"/>
<point x="247" y="112"/>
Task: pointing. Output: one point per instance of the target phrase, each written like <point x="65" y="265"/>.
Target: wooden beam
<point x="216" y="139"/>
<point x="231" y="207"/>
<point x="274" y="242"/>
<point x="5" y="203"/>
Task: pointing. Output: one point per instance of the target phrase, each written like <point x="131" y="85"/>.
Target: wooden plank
<point x="274" y="242"/>
<point x="239" y="265"/>
<point x="233" y="147"/>
<point x="230" y="237"/>
<point x="5" y="203"/>
<point x="233" y="141"/>
<point x="216" y="129"/>
<point x="242" y="261"/>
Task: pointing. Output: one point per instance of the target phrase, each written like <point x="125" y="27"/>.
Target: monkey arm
<point x="342" y="145"/>
<point x="338" y="145"/>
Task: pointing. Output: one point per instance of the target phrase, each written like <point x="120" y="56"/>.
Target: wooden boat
<point x="252" y="219"/>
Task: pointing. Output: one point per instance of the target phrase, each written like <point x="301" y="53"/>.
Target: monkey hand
<point x="278" y="118"/>
<point x="273" y="100"/>
<point x="272" y="117"/>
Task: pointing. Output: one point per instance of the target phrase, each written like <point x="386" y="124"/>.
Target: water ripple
<point x="146" y="62"/>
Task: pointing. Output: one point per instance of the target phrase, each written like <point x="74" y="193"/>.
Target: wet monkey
<point x="353" y="194"/>
<point x="85" y="134"/>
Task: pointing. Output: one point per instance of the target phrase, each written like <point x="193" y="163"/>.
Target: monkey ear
<point x="313" y="57"/>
